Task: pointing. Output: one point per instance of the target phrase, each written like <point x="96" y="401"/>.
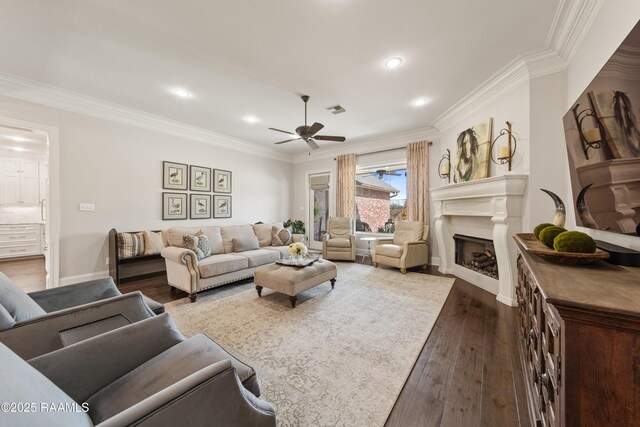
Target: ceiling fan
<point x="382" y="172"/>
<point x="308" y="133"/>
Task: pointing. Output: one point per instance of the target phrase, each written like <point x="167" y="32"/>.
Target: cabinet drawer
<point x="22" y="250"/>
<point x="19" y="238"/>
<point x="20" y="228"/>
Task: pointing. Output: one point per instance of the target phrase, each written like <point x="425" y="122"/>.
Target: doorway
<point x="319" y="208"/>
<point x="26" y="221"/>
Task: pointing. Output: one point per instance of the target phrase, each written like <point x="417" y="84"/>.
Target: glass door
<point x="318" y="209"/>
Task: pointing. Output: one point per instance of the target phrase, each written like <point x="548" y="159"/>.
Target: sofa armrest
<point x="414" y="253"/>
<point x="82" y="369"/>
<point x="74" y="295"/>
<point x="40" y="335"/>
<point x="179" y="255"/>
<point x="383" y="241"/>
<point x="228" y="403"/>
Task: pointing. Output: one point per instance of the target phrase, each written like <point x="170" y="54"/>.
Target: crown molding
<point x="570" y="24"/>
<point x="39" y="93"/>
<point x="366" y="145"/>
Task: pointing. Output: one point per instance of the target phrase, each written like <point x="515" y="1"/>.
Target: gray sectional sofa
<point x="229" y="262"/>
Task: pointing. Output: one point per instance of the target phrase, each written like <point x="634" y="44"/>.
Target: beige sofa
<point x="186" y="272"/>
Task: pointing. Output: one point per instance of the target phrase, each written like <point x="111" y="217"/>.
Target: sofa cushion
<point x="198" y="243"/>
<point x="260" y="257"/>
<point x="130" y="244"/>
<point x="221" y="264"/>
<point x="163" y="371"/>
<point x="407" y="231"/>
<point x="246" y="243"/>
<point x="213" y="233"/>
<point x="339" y="243"/>
<point x="235" y="232"/>
<point x="264" y="233"/>
<point x="16" y="302"/>
<point x="282" y="250"/>
<point x="281" y="236"/>
<point x="340" y="227"/>
<point x="153" y="242"/>
<point x="393" y="251"/>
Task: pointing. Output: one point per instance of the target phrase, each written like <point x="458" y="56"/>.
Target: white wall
<point x="119" y="168"/>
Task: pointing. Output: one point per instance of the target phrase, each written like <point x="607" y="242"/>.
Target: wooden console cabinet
<point x="579" y="338"/>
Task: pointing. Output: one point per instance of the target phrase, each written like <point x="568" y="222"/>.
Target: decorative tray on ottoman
<point x="534" y="246"/>
<point x="304" y="262"/>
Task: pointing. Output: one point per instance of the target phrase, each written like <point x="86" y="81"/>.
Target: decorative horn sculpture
<point x="561" y="213"/>
<point x="583" y="210"/>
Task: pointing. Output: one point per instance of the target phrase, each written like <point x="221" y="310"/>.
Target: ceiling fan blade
<point x="315" y="128"/>
<point x="311" y="143"/>
<point x="287" y="140"/>
<point x="283" y="131"/>
<point x="330" y="138"/>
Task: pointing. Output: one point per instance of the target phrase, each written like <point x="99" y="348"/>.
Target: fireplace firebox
<point x="476" y="254"/>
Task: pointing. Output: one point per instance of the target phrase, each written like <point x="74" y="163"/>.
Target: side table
<point x="369" y="240"/>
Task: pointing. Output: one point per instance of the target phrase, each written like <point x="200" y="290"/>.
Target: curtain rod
<point x="384" y="151"/>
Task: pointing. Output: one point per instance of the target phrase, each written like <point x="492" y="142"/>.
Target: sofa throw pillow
<point x="153" y="243"/>
<point x="281" y="236"/>
<point x="130" y="244"/>
<point x="198" y="243"/>
<point x="245" y="243"/>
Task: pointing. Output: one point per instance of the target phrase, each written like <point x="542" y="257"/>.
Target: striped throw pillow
<point x="130" y="245"/>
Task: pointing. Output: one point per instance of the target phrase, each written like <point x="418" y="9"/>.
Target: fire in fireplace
<point x="476" y="254"/>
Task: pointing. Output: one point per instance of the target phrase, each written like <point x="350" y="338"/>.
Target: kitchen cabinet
<point x="17" y="240"/>
<point x="19" y="181"/>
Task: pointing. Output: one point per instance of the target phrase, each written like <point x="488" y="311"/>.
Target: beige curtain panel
<point x="418" y="182"/>
<point x="346" y="186"/>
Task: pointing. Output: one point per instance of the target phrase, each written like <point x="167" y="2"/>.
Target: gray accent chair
<point x="40" y="322"/>
<point x="408" y="248"/>
<point x="145" y="374"/>
<point x="339" y="243"/>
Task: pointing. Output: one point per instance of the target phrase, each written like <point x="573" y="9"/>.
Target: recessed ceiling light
<point x="182" y="93"/>
<point x="18" y="138"/>
<point x="419" y="102"/>
<point x="251" y="119"/>
<point x="394" y="62"/>
<point x="18" y="149"/>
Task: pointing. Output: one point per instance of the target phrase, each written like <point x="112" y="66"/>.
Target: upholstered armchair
<point x="339" y="243"/>
<point x="145" y="374"/>
<point x="408" y="248"/>
<point x="40" y="322"/>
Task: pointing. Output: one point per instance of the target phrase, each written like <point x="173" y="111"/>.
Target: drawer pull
<point x="17" y="237"/>
<point x="17" y="250"/>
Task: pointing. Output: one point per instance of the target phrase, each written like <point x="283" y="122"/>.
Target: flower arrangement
<point x="297" y="249"/>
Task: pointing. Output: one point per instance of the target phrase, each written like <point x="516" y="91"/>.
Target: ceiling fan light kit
<point x="308" y="133"/>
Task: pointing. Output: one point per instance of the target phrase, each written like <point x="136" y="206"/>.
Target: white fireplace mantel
<point x="489" y="208"/>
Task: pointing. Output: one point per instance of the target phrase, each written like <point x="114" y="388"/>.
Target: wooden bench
<point x="133" y="268"/>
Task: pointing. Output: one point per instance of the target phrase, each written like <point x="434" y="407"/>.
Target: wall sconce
<point x="444" y="169"/>
<point x="505" y="152"/>
<point x="591" y="138"/>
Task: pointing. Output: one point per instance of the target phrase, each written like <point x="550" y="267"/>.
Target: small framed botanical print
<point x="200" y="178"/>
<point x="174" y="206"/>
<point x="200" y="206"/>
<point x="221" y="206"/>
<point x="221" y="181"/>
<point x="174" y="176"/>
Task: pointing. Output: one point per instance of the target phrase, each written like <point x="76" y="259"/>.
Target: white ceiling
<point x="242" y="57"/>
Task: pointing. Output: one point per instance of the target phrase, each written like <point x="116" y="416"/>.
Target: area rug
<point x="341" y="357"/>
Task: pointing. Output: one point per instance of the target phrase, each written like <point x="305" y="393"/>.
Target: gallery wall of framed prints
<point x="200" y="182"/>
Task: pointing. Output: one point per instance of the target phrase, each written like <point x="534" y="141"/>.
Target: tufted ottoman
<point x="293" y="280"/>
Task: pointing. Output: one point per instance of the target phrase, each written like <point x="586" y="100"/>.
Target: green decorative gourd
<point x="574" y="241"/>
<point x="548" y="234"/>
<point x="539" y="228"/>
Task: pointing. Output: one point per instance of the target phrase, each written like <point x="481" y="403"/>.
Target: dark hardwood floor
<point x="468" y="373"/>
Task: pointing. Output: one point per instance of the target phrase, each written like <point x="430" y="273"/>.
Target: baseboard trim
<point x="70" y="280"/>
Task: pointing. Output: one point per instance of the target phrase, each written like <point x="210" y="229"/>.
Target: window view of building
<point x="380" y="198"/>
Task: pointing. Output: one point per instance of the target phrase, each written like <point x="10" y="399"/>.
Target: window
<point x="381" y="196"/>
